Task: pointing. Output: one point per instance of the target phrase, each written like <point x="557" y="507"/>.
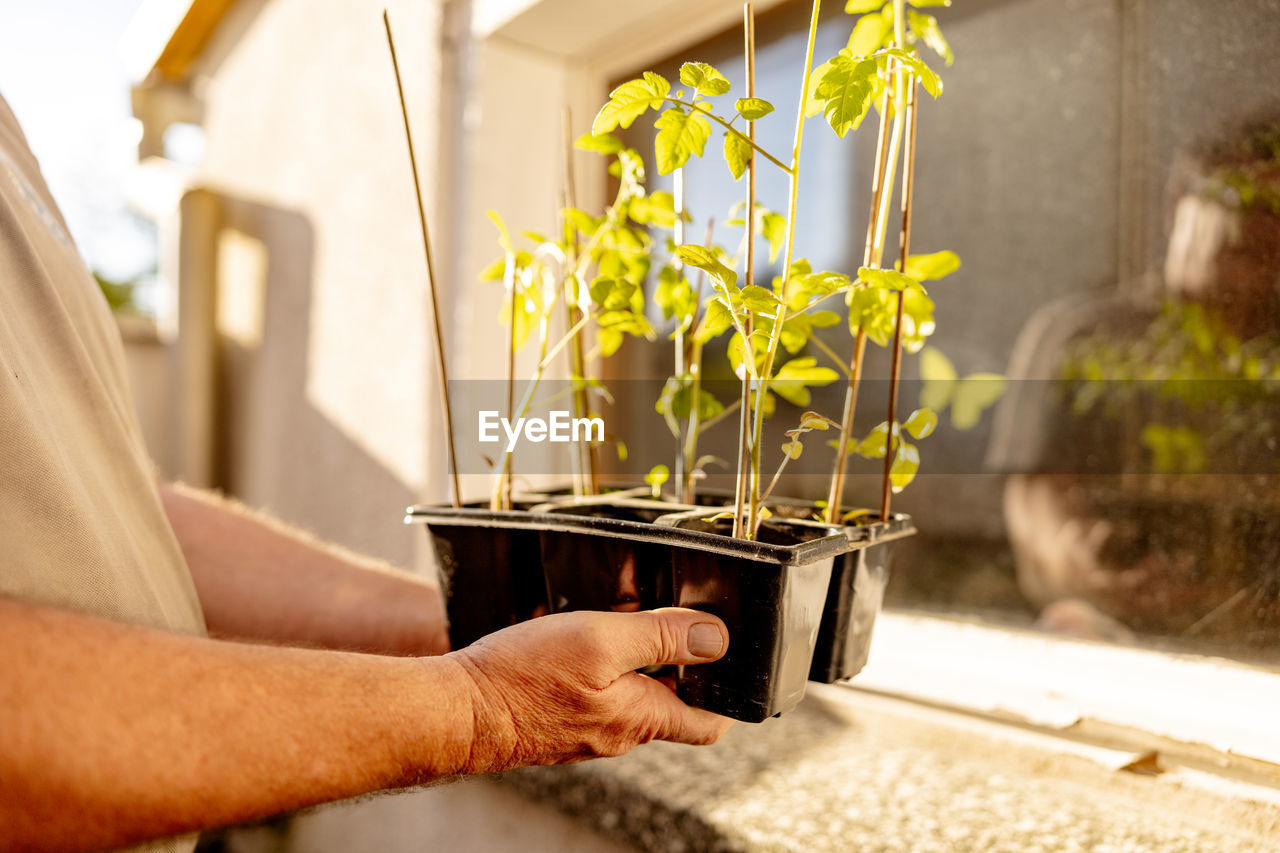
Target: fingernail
<point x="705" y="640"/>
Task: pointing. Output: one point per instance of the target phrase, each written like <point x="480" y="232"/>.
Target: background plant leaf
<point x="703" y="77"/>
<point x="630" y="101"/>
<point x="681" y="135"/>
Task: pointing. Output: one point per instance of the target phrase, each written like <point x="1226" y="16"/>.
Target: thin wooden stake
<point x="431" y="274"/>
<point x="587" y="473"/>
<point x="504" y="476"/>
<point x="835" y="496"/>
<point x="744" y="459"/>
<point x="904" y="245"/>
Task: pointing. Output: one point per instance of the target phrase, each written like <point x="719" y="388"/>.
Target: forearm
<point x="259" y="580"/>
<point x="137" y="733"/>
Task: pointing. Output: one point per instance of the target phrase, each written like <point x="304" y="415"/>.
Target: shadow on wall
<point x="272" y="448"/>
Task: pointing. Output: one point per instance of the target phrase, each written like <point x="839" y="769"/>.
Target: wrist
<point x="493" y="741"/>
<point x="436" y="730"/>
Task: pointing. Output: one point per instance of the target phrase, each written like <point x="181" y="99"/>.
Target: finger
<point x="672" y="635"/>
<point x="675" y="721"/>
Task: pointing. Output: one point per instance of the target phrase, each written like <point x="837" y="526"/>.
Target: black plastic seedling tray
<point x="776" y="595"/>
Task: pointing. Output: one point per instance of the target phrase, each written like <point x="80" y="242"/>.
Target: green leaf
<point x="759" y="300"/>
<point x="870" y="34"/>
<point x="706" y="79"/>
<point x="921" y="423"/>
<point x="737" y="354"/>
<point x="874" y="445"/>
<point x="528" y="314"/>
<point x="872" y="310"/>
<point x="806" y="287"/>
<point x="917" y="319"/>
<point x="708" y="405"/>
<point x="612" y="294"/>
<point x="681" y="135"/>
<point x="813" y="420"/>
<point x="858" y="7"/>
<point x="906" y="464"/>
<point x="793" y="379"/>
<point x="674" y="295"/>
<point x="657" y="475"/>
<point x="753" y="108"/>
<point x="934" y="266"/>
<point x="737" y="153"/>
<point x="939" y="376"/>
<point x="496" y="271"/>
<point x="583" y="221"/>
<point x="920" y="4"/>
<point x="706" y="260"/>
<point x="1175" y="449"/>
<point x="887" y="279"/>
<point x="768" y="403"/>
<point x="823" y="319"/>
<point x="601" y="143"/>
<point x="629" y="101"/>
<point x="926" y="29"/>
<point x="812" y="105"/>
<point x="714" y="322"/>
<point x="793" y="448"/>
<point x="504" y="236"/>
<point x="677" y="400"/>
<point x="773" y="227"/>
<point x="972" y="395"/>
<point x="845" y="91"/>
<point x="657" y="208"/>
<point x="928" y="77"/>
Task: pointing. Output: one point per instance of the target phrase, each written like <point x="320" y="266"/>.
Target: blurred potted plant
<point x="1144" y="497"/>
<point x="783" y="574"/>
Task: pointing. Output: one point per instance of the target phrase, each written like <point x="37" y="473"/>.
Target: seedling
<point x="890" y="306"/>
<point x="594" y="268"/>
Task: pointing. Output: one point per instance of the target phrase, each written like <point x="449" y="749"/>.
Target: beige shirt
<point x="81" y="524"/>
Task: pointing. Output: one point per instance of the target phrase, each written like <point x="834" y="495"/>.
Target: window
<point x="1094" y="501"/>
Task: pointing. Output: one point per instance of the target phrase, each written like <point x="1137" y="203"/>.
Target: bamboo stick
<point x="583" y="476"/>
<point x="904" y="244"/>
<point x="431" y="275"/>
<point x="835" y="496"/>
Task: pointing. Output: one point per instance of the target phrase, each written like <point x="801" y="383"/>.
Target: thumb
<point x="671" y="635"/>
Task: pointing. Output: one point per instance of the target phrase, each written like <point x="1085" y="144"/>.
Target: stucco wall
<point x="326" y="392"/>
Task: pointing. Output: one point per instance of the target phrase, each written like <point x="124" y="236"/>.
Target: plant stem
<point x="747" y="450"/>
<point x="830" y="353"/>
<point x="447" y="409"/>
<point x="695" y="388"/>
<point x="677" y="184"/>
<point x="503" y="486"/>
<point x="712" y="421"/>
<point x="731" y="129"/>
<point x="544" y="359"/>
<point x="786" y="457"/>
<point x="842" y="291"/>
<point x="776" y="331"/>
<point x="904" y="243"/>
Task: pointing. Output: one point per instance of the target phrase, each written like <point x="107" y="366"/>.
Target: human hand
<point x="564" y="688"/>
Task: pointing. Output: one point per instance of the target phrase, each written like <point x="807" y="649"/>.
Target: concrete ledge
<point x="854" y="771"/>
